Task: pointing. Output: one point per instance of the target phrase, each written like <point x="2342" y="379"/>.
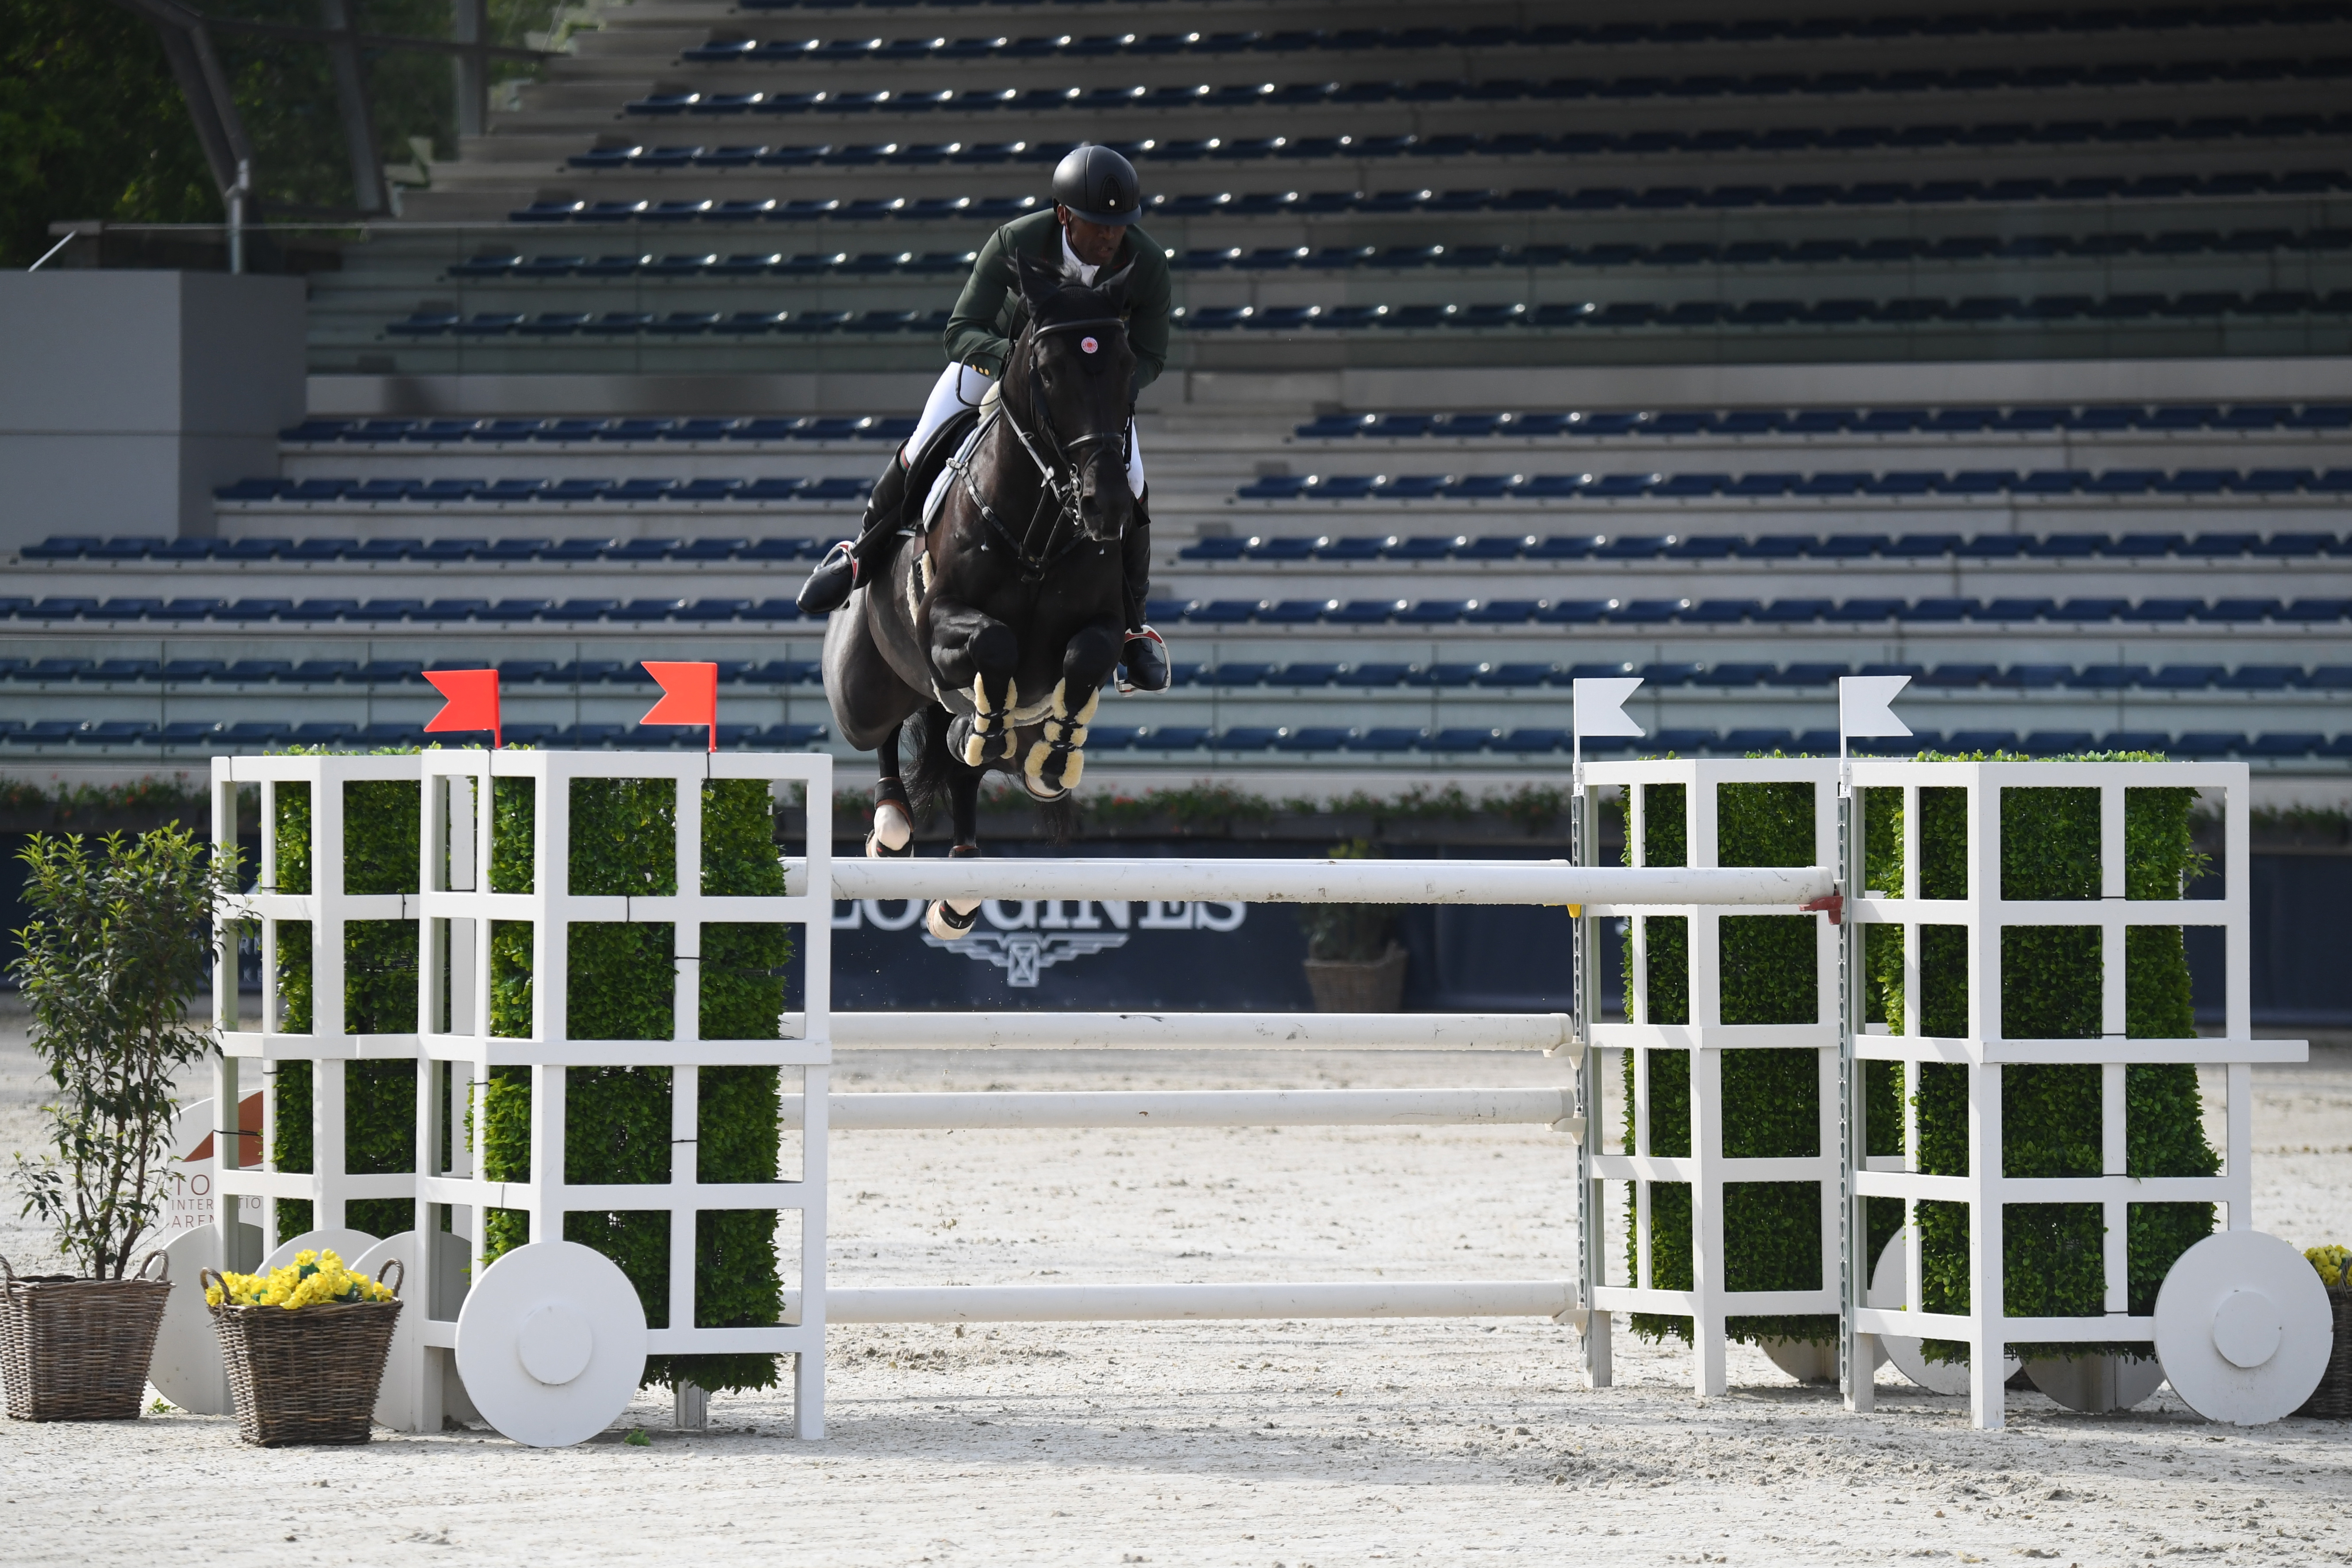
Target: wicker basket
<point x="2332" y="1397"/>
<point x="310" y="1375"/>
<point x="76" y="1350"/>
<point x="1377" y="986"/>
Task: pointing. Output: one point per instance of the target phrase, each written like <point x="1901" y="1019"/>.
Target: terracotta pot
<point x="1352" y="986"/>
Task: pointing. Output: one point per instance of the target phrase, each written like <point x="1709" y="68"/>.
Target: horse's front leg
<point x="1058" y="757"/>
<point x="949" y="918"/>
<point x="972" y="649"/>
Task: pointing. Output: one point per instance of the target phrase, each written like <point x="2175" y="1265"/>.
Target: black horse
<point x="998" y="621"/>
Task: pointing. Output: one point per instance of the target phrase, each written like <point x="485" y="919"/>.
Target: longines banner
<point x="1096" y="954"/>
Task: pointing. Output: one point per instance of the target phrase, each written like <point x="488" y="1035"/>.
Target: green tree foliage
<point x="92" y="126"/>
<point x="116" y="945"/>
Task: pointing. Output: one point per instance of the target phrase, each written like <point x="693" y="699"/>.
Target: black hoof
<point x="829" y="586"/>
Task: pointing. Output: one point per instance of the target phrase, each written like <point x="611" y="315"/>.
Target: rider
<point x="1090" y="232"/>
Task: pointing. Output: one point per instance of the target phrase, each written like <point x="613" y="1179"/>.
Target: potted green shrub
<point x="1354" y="963"/>
<point x="117" y="945"/>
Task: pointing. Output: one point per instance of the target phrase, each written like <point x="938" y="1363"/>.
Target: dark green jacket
<point x="990" y="312"/>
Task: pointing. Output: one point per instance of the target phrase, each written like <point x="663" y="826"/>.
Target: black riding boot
<point x="1143" y="655"/>
<point x="851" y="563"/>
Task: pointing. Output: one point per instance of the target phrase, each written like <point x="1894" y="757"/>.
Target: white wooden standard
<point x="458" y="907"/>
<point x="1985" y="1052"/>
<point x="262" y="1039"/>
<point x="1710" y="1300"/>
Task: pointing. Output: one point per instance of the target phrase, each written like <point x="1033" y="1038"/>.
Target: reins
<point x="1059" y="483"/>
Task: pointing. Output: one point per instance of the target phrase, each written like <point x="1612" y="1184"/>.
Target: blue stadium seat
<point x="2240" y="612"/>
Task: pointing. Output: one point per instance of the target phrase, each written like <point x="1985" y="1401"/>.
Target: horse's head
<point x="1072" y="378"/>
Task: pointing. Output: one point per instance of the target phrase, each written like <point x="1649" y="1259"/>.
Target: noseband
<point x="1059" y="476"/>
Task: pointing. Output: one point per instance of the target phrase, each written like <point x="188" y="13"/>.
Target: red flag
<point x="473" y="701"/>
<point x="690" y="695"/>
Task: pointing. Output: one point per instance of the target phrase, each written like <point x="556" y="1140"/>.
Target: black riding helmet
<point x="1099" y="185"/>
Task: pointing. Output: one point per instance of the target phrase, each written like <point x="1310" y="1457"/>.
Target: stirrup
<point x="1155" y="651"/>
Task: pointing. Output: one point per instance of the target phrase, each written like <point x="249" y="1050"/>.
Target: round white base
<point x="551" y="1342"/>
<point x="1890" y="1289"/>
<point x="186" y="1368"/>
<point x="2244" y="1328"/>
<point x="2094" y="1384"/>
<point x="395" y="1400"/>
<point x="1810" y="1362"/>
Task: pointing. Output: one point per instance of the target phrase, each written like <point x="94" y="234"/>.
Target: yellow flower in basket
<point x="312" y="1279"/>
<point x="2335" y="1265"/>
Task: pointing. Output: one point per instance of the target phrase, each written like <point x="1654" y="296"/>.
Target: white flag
<point x="1601" y="705"/>
<point x="1865" y="705"/>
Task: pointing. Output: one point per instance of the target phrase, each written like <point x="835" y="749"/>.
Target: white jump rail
<point x="1175" y="1303"/>
<point x="1331" y="881"/>
<point x="1197" y="1107"/>
<point x="1208" y="1031"/>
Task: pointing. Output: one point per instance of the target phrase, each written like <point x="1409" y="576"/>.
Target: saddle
<point x="924" y="489"/>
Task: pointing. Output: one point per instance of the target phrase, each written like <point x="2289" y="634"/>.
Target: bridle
<point x="1060" y="475"/>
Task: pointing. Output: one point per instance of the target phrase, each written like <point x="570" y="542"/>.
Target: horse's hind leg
<point x="1058" y="757"/>
<point x="949" y="918"/>
<point x="894" y="824"/>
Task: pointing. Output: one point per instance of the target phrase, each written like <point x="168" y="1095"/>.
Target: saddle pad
<point x="939" y="491"/>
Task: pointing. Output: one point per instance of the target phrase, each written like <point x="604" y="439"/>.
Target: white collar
<point x="1072" y="265"/>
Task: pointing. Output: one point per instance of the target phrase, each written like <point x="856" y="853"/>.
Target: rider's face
<point x="1093" y="243"/>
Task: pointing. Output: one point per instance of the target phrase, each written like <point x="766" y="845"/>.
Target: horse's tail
<point x="927" y="777"/>
<point x="1060" y="818"/>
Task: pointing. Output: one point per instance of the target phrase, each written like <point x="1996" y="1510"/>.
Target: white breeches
<point x="961" y="387"/>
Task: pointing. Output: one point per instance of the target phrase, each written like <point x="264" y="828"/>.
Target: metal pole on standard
<point x="1865" y="708"/>
<point x="1598" y="1370"/>
<point x="1855" y="1361"/>
<point x="1598" y="709"/>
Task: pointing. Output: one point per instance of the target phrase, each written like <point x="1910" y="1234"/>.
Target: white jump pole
<point x="1206" y="1031"/>
<point x="1324" y="882"/>
<point x="1197" y="1107"/>
<point x="1165" y="1303"/>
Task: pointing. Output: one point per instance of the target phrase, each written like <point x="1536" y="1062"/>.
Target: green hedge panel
<point x="623" y="986"/>
<point x="2051" y="988"/>
<point x="379" y="957"/>
<point x="1771" y="1099"/>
